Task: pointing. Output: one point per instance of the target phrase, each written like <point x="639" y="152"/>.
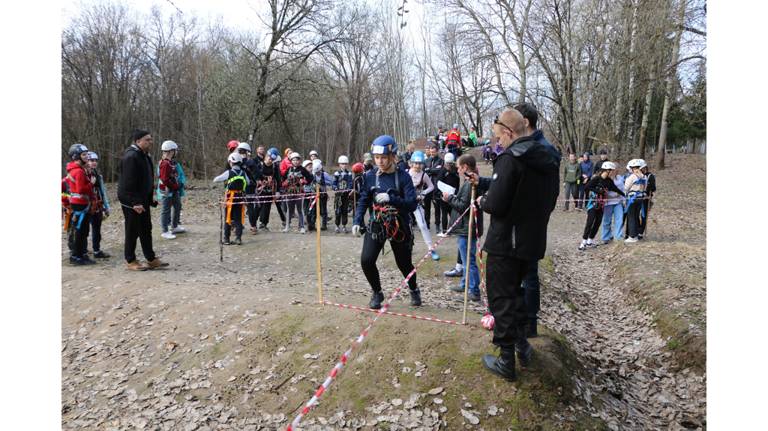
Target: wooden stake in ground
<point x="469" y="258"/>
<point x="221" y="232"/>
<point x="317" y="246"/>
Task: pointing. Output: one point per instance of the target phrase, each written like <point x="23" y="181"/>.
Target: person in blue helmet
<point x="391" y="193"/>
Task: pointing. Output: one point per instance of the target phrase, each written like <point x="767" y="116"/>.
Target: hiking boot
<point x="532" y="329"/>
<point x="376" y="299"/>
<point x="178" y="229"/>
<point x="435" y="256"/>
<point x="337" y="230"/>
<point x="136" y="266"/>
<point x="156" y="263"/>
<point x="415" y="297"/>
<point x="474" y="297"/>
<point x="524" y="352"/>
<point x="455" y="272"/>
<point x="168" y="235"/>
<point x="503" y="365"/>
<point x="457" y="288"/>
<point x="238" y="241"/>
<point x="100" y="254"/>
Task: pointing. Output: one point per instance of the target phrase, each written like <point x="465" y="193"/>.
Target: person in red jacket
<point x="453" y="141"/>
<point x="80" y="194"/>
<point x="168" y="186"/>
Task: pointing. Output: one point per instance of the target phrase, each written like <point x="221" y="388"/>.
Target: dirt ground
<point x="243" y="344"/>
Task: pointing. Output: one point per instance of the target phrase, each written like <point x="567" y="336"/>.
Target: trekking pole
<point x="317" y="246"/>
<point x="469" y="259"/>
<point x="221" y="233"/>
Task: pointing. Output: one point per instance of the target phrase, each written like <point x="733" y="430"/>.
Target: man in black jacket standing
<point x="521" y="195"/>
<point x="135" y="192"/>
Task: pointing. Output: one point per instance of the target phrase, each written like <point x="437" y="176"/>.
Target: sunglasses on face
<point x="496" y="121"/>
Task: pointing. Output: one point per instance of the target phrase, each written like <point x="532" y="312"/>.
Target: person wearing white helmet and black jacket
<point x="168" y="188"/>
<point x="296" y="176"/>
<point x="390" y="191"/>
<point x="521" y="196"/>
<point x="449" y="175"/>
<point x="269" y="187"/>
<point x="596" y="190"/>
<point x="135" y="192"/>
<point x="324" y="179"/>
<point x="236" y="182"/>
<point x="343" y="182"/>
<point x="252" y="168"/>
<point x="635" y="187"/>
<point x="99" y="206"/>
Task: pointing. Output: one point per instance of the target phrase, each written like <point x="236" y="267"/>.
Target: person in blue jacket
<point x="391" y="193"/>
<point x="587" y="169"/>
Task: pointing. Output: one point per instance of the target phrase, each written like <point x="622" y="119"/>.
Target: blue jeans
<point x="172" y="202"/>
<point x="613" y="221"/>
<point x="531" y="286"/>
<point x="474" y="274"/>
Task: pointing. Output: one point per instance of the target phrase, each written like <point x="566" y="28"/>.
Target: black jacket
<point x="137" y="178"/>
<point x="448" y="177"/>
<point x="252" y="168"/>
<point x="521" y="195"/>
<point x="459" y="203"/>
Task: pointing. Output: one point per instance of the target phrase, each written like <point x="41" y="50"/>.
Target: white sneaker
<point x="344" y="229"/>
<point x="630" y="240"/>
<point x="302" y="231"/>
<point x="287" y="228"/>
<point x="442" y="235"/>
<point x="337" y="230"/>
<point x="168" y="235"/>
<point x="178" y="229"/>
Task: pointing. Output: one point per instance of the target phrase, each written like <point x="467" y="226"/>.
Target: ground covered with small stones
<point x="243" y="344"/>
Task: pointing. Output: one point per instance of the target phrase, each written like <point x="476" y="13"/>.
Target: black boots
<point x="503" y="365"/>
<point x="376" y="299"/>
<point x="415" y="297"/>
<point x="524" y="353"/>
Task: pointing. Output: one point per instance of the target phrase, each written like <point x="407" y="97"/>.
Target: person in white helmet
<point x="99" y="205"/>
<point x="324" y="180"/>
<point x="252" y="168"/>
<point x="236" y="182"/>
<point x="449" y="175"/>
<point x="342" y="184"/>
<point x="423" y="185"/>
<point x="296" y="176"/>
<point x="313" y="155"/>
<point x="635" y="186"/>
<point x="168" y="191"/>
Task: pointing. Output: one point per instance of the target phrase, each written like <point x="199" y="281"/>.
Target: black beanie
<point x="138" y="134"/>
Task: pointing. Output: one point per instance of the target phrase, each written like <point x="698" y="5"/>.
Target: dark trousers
<point x="531" y="287"/>
<point x="252" y="210"/>
<point x="79" y="226"/>
<point x="506" y="298"/>
<point x="427" y="204"/>
<point x="646" y="205"/>
<point x="138" y="226"/>
<point x="571" y="190"/>
<point x="341" y="202"/>
<point x="236" y="221"/>
<point x="402" y="251"/>
<point x="633" y="219"/>
<point x="96" y="230"/>
<point x="594" y="219"/>
<point x="266" y="207"/>
<point x="445" y="214"/>
<point x="580" y="196"/>
<point x="297" y="208"/>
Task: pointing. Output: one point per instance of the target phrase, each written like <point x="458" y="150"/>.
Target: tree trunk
<point x="669" y="91"/>
<point x="646" y="113"/>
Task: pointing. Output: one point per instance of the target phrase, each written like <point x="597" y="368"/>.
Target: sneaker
<point x="136" y="266"/>
<point x="263" y="226"/>
<point x="156" y="263"/>
<point x="455" y="272"/>
<point x="435" y="256"/>
<point x="582" y="246"/>
<point x="344" y="229"/>
<point x="286" y="228"/>
<point x="227" y="242"/>
<point x="178" y="229"/>
<point x="87" y="260"/>
<point x="100" y="254"/>
<point x="76" y="261"/>
<point x="168" y="235"/>
<point x="457" y="288"/>
<point x="376" y="299"/>
<point x="630" y="240"/>
<point x="254" y="231"/>
<point x="337" y="230"/>
<point x="238" y="241"/>
<point x="442" y="234"/>
<point x="639" y="236"/>
<point x="474" y="297"/>
<point x="302" y="231"/>
<point x="607" y="242"/>
<point x="324" y="227"/>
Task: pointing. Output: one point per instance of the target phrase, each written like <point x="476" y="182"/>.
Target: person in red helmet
<point x="232" y="145"/>
<point x="80" y="193"/>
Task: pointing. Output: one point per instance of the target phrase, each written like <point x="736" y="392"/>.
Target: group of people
<point x="618" y="202"/>
<point x="388" y="195"/>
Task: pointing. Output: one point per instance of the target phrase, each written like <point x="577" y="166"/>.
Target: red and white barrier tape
<point x="392" y="313"/>
<point x="345" y="356"/>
